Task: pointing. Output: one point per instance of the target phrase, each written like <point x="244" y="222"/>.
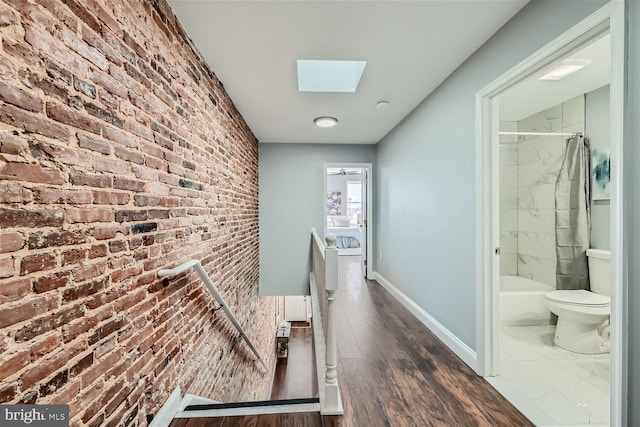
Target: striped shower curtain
<point x="573" y="215"/>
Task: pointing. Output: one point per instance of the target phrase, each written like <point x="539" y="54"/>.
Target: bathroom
<point x="551" y="379"/>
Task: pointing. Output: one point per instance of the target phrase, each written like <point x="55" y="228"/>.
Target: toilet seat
<point x="579" y="297"/>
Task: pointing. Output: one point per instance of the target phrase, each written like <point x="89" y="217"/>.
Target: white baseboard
<point x="462" y="350"/>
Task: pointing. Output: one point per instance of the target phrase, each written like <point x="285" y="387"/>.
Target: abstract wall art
<point x="600" y="174"/>
<point x="334" y="203"/>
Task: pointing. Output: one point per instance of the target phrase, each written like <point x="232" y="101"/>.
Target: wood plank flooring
<point x="392" y="371"/>
<point x="296" y="375"/>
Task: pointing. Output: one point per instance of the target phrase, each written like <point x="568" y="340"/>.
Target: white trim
<point x="463" y="351"/>
<point x="609" y="16"/>
<point x="618" y="402"/>
<point x="369" y="244"/>
<point x="170" y="408"/>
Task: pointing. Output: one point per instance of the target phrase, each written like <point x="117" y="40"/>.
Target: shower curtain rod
<point x="541" y="133"/>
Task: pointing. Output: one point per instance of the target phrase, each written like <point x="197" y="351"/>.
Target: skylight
<point x="329" y="76"/>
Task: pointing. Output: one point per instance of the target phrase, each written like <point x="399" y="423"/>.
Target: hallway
<point x="392" y="371"/>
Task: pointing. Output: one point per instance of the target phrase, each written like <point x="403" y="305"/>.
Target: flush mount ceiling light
<point x="326" y="122"/>
<point x="567" y="67"/>
<point x="329" y="76"/>
<point x="382" y="105"/>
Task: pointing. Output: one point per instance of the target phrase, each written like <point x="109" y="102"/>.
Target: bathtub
<point x="522" y="301"/>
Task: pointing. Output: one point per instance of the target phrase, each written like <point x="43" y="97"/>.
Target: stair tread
<point x="251" y="404"/>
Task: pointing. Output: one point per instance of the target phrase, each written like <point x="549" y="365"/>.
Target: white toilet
<point x="583" y="316"/>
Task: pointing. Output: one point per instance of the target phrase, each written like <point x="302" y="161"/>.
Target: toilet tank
<point x="600" y="271"/>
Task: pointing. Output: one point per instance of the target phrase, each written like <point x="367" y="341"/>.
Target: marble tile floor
<point x="549" y="385"/>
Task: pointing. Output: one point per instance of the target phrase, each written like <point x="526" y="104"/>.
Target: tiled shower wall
<point x="537" y="162"/>
<point x="508" y="200"/>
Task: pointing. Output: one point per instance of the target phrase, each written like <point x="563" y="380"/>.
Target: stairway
<point x="294" y="377"/>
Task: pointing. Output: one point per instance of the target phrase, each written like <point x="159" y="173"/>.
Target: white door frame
<point x="611" y="17"/>
<point x="369" y="244"/>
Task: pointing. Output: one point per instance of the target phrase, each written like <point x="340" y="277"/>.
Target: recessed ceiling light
<point x="381" y="105"/>
<point x="568" y="66"/>
<point x="329" y="76"/>
<point x="326" y="122"/>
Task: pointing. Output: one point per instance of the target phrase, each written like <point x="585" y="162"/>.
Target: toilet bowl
<point x="583" y="315"/>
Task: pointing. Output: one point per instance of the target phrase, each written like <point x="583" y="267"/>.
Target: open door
<point x="348" y="210"/>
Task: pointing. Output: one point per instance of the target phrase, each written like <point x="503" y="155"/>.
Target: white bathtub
<point x="522" y="301"/>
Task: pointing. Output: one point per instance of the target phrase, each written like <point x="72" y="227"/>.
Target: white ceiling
<point x="532" y="95"/>
<point x="410" y="48"/>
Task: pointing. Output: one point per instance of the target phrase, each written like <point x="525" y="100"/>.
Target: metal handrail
<point x="171" y="273"/>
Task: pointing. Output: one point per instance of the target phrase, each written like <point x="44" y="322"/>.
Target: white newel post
<point x="332" y="393"/>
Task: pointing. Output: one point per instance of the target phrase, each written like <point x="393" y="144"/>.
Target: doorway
<point x="348" y="210"/>
<point x="609" y="20"/>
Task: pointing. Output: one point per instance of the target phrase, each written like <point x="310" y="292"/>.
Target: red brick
<point x="129" y="155"/>
<point x="50" y="48"/>
<point x="45" y="367"/>
<point x="99" y="181"/>
<point x="12" y="192"/>
<point x="97" y="370"/>
<point x="75" y="215"/>
<point x="54" y="281"/>
<point x="74" y="256"/>
<point x="48" y="323"/>
<point x="40" y="262"/>
<point x="88" y="272"/>
<point x="114" y="166"/>
<point x="20" y="98"/>
<point x="12" y="144"/>
<point x="16" y="313"/>
<point x="45" y="346"/>
<point x="12" y="363"/>
<point x="93" y="144"/>
<point x="32" y="123"/>
<point x="8" y="392"/>
<point x="49" y="195"/>
<point x="72" y="330"/>
<point x="11" y="242"/>
<point x="14" y="290"/>
<point x="84" y="290"/>
<point x="82" y="13"/>
<point x="79" y="46"/>
<point x="98" y="251"/>
<point x="105" y="233"/>
<point x="111" y="197"/>
<point x="31" y="173"/>
<point x="24" y="218"/>
<point x="40" y="239"/>
<point x="73" y="118"/>
<point x="60" y="13"/>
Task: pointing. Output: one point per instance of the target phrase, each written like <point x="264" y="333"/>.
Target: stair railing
<point x="171" y="273"/>
<point x="324" y="284"/>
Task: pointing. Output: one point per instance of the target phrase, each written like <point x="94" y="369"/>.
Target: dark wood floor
<point x="296" y="375"/>
<point x="392" y="371"/>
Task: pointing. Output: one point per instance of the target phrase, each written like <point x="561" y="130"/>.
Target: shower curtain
<point x="573" y="215"/>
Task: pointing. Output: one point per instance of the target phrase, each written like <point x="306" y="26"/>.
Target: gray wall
<point x="291" y="202"/>
<point x="597" y="130"/>
<point x="425" y="204"/>
<point x="632" y="222"/>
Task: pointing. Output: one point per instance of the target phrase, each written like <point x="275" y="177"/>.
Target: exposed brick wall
<point x="120" y="154"/>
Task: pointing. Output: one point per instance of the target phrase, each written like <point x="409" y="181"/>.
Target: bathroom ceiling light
<point x="568" y="66"/>
<point x="382" y="105"/>
<point x="325" y="122"/>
